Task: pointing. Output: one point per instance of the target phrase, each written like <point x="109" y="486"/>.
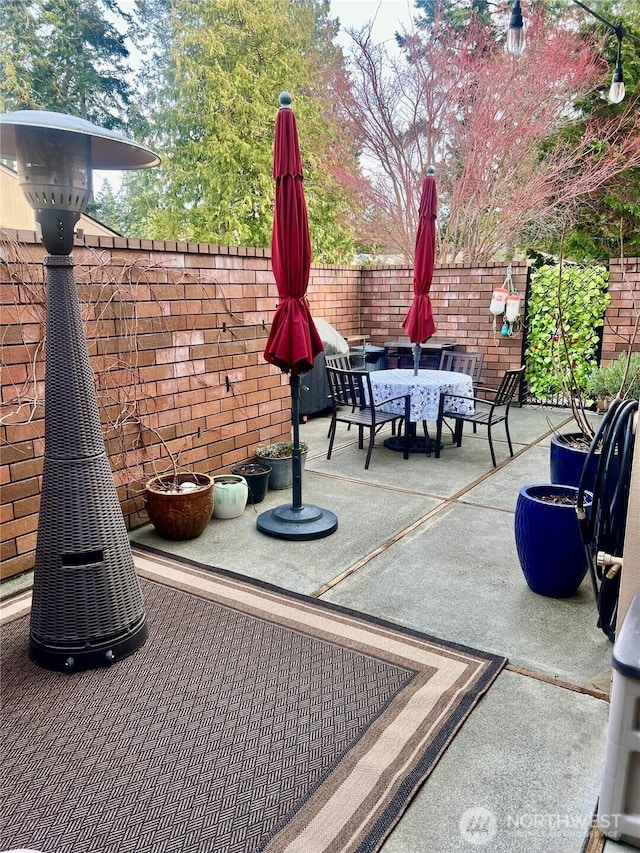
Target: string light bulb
<point x="515" y="34"/>
<point x="616" y="90"/>
<point x="516" y="44"/>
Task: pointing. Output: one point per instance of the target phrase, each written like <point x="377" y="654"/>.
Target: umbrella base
<point x="301" y="523"/>
<point x="416" y="444"/>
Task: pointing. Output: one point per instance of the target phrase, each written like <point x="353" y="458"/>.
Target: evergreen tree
<point x="459" y="13"/>
<point x="608" y="220"/>
<point x="211" y="115"/>
<point x="19" y="48"/>
<point x="107" y="207"/>
<point x="65" y="56"/>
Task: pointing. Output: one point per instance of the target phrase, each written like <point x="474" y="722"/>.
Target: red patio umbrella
<point x="294" y="341"/>
<point x="419" y="323"/>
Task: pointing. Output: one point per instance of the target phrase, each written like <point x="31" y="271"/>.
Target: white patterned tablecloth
<point x="425" y="391"/>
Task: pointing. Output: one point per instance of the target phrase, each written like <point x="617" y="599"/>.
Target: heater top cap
<point x="109" y="149"/>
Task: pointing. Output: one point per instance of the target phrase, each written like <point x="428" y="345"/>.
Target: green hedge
<point x="615" y="379"/>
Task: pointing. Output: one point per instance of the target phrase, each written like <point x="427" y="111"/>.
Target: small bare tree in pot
<point x="179" y="502"/>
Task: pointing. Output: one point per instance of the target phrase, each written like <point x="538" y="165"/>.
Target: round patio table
<point x="424" y="388"/>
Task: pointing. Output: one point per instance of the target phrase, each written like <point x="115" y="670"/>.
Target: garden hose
<point x="600" y="440"/>
<point x="603" y="527"/>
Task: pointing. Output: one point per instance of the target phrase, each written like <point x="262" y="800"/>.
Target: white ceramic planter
<point x="230" y="495"/>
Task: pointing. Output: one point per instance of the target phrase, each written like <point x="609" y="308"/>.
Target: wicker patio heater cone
<point x="87" y="608"/>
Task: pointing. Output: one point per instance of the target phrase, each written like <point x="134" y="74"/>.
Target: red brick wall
<point x="175" y="334"/>
<point x="334" y="295"/>
<point x="460" y="297"/>
<point x="169" y="323"/>
<point x="622" y="314"/>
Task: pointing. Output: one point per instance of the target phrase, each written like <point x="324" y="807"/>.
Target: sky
<point x="390" y="15"/>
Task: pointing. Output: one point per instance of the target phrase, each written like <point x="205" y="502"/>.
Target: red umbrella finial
<point x="286" y="147"/>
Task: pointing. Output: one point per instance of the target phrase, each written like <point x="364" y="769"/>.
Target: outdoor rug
<point x="252" y="719"/>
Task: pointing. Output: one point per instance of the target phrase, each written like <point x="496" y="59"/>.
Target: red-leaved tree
<point x="495" y="127"/>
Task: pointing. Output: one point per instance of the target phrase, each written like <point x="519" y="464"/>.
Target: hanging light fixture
<point x="515" y="33"/>
<point x="516" y="43"/>
<point x="616" y="90"/>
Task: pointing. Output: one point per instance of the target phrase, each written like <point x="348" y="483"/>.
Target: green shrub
<point x="610" y="380"/>
<point x="279" y="450"/>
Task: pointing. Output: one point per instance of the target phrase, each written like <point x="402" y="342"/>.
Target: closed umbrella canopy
<point x="419" y="323"/>
<point x="294" y="341"/>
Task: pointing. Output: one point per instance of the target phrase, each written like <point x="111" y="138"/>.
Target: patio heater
<point x="87" y="608"/>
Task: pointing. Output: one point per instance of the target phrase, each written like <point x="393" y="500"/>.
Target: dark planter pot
<point x="257" y="476"/>
<point x="566" y="461"/>
<point x="180" y="516"/>
<point x="548" y="540"/>
<point x="281" y="470"/>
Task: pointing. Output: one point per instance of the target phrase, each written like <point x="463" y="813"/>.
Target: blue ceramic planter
<point x="567" y="461"/>
<point x="548" y="540"/>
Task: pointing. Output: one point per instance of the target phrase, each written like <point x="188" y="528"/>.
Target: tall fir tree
<point x="66" y="56"/>
<point x="608" y="222"/>
<point x="212" y="96"/>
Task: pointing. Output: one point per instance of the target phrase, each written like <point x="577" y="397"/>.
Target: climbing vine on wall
<point x="565" y="312"/>
<point x="124" y="306"/>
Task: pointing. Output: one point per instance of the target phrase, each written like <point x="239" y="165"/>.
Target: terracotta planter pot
<point x="179" y="516"/>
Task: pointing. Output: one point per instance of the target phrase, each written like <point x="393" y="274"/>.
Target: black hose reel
<point x="603" y="527"/>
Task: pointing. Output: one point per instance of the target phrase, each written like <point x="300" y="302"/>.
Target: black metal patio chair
<point x="352" y="401"/>
<point x="343" y="362"/>
<point x="459" y="362"/>
<point x="464" y="362"/>
<point x="491" y="408"/>
<point x="340" y="360"/>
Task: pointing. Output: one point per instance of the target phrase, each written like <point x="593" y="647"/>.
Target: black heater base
<point x="73" y="658"/>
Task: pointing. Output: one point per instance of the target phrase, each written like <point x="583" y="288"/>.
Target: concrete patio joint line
<point x="556" y="682"/>
<point x="379" y="550"/>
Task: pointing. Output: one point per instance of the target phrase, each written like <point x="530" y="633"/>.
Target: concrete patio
<point x="428" y="543"/>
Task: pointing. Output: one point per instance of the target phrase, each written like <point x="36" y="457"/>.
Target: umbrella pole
<point x="297" y="520"/>
<point x="296" y="456"/>
<point x="417" y="350"/>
